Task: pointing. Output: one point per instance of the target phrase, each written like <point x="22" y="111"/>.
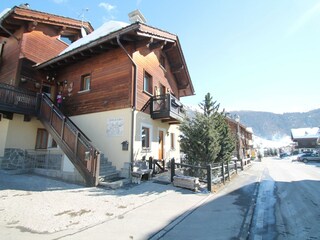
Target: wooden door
<point x="42" y="139"/>
<point x="160" y="155"/>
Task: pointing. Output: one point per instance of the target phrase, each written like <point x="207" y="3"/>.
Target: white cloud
<point x="107" y="6"/>
<point x="304" y="19"/>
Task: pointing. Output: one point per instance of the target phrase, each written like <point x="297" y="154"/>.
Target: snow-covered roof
<point x="4" y="12"/>
<point x="102" y="31"/>
<point x="305" y="132"/>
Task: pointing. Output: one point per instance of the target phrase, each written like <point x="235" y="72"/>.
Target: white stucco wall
<point x="107" y="130"/>
<point x="143" y="119"/>
<point x="22" y="134"/>
<point x="4" y="124"/>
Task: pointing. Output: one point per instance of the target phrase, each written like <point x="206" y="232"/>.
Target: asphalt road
<point x="274" y="199"/>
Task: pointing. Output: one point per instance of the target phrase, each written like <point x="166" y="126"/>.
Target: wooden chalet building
<point x="305" y="138"/>
<point x="243" y="134"/>
<point x="120" y="84"/>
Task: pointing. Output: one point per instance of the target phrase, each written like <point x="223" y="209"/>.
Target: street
<point x="274" y="199"/>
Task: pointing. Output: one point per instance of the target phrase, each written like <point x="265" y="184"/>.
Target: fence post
<point x="222" y="172"/>
<point x="209" y="177"/>
<point x="241" y="164"/>
<point x="228" y="171"/>
<point x="172" y="169"/>
<point x="150" y="162"/>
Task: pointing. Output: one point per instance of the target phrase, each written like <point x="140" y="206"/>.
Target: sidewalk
<point x="32" y="207"/>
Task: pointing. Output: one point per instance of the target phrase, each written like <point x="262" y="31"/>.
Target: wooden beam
<point x="177" y="68"/>
<point x="169" y="46"/>
<point x="156" y="44"/>
<point x="32" y="26"/>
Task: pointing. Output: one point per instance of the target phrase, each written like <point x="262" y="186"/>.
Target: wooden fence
<point x="211" y="174"/>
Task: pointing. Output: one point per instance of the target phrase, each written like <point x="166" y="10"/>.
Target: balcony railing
<point x="13" y="99"/>
<point x="167" y="108"/>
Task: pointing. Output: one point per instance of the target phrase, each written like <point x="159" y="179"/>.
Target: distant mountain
<point x="275" y="126"/>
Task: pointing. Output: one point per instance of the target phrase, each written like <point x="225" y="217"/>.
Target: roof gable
<point x="298" y="133"/>
<point x="107" y="37"/>
<point x="12" y="19"/>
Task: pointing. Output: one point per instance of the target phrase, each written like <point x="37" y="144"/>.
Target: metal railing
<point x="167" y="106"/>
<point x="45" y="158"/>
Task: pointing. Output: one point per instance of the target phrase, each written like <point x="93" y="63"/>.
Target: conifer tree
<point x="206" y="138"/>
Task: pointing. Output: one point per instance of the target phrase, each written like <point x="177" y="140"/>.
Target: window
<point x="162" y="61"/>
<point x="85" y="82"/>
<point x="42" y="139"/>
<point x="172" y="138"/>
<point x="1" y="49"/>
<point x="147" y="83"/>
<point x="145" y="137"/>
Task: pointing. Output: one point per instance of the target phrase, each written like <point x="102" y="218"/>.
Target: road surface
<point x="274" y="199"/>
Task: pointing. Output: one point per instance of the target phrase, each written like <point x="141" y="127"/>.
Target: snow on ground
<point x="41" y="205"/>
<point x="264" y="143"/>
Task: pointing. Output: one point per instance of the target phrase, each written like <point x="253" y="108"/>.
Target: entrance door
<point x="160" y="144"/>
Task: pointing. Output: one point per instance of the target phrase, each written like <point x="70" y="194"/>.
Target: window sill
<point x="163" y="68"/>
<point x="146" y="150"/>
<point x="84" y="91"/>
<point x="149" y="94"/>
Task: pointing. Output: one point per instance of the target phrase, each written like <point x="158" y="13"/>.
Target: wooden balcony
<point x="167" y="108"/>
<point x="16" y="100"/>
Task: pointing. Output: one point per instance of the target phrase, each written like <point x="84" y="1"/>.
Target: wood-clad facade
<point x="28" y="37"/>
<point x="123" y="86"/>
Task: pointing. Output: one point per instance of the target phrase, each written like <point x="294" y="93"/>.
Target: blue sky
<point x="249" y="54"/>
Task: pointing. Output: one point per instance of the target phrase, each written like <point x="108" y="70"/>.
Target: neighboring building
<point x="305" y="138"/>
<point x="120" y="85"/>
<point x="243" y="134"/>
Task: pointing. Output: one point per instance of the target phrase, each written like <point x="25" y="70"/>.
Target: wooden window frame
<point x="84" y="86"/>
<point x="147" y="83"/>
<point x="146" y="137"/>
<point x="172" y="141"/>
<point x="162" y="61"/>
<point x="42" y="139"/>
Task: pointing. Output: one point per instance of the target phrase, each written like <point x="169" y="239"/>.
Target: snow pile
<point x="102" y="31"/>
<point x="263" y="143"/>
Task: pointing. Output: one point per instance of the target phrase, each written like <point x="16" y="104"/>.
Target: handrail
<point x="58" y="111"/>
<point x="75" y="144"/>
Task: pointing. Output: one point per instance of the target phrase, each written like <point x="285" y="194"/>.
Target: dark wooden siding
<point x="149" y="61"/>
<point x="111" y="77"/>
<point x="10" y="59"/>
<point x="41" y="44"/>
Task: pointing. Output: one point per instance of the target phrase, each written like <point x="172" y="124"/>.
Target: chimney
<point x="136" y="16"/>
<point x="24" y="5"/>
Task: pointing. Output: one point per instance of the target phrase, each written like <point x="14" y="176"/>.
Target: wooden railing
<point x="74" y="143"/>
<point x="167" y="106"/>
<point x="211" y="174"/>
<point x="17" y="100"/>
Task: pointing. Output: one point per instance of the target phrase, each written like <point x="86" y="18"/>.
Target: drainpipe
<point x="133" y="117"/>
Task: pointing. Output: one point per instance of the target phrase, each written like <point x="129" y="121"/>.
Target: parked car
<point x="306" y="157"/>
<point x="284" y="155"/>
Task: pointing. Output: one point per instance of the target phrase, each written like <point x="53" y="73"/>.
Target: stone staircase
<point x="109" y="176"/>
